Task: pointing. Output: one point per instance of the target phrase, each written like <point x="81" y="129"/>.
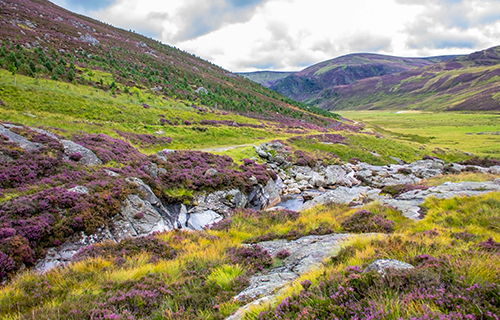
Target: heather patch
<point x="365" y="221"/>
<point x="145" y="140"/>
<point x="30" y="224"/>
<point x="254" y="257"/>
<point x="109" y="149"/>
<point x="127" y="248"/>
<point x="205" y="171"/>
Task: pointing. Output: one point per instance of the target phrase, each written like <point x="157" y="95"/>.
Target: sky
<point x="290" y="35"/>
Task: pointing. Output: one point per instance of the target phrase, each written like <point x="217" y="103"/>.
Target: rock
<point x="88" y="157"/>
<point x="301" y="177"/>
<point x="63" y="254"/>
<point x="261" y="153"/>
<point x="161" y="154"/>
<point x="222" y="202"/>
<point x="340" y="176"/>
<point x="199" y="220"/>
<point x="111" y="173"/>
<point x="210" y="172"/>
<point x="264" y="197"/>
<point x="201" y="90"/>
<point x="309" y="195"/>
<point x="398" y="161"/>
<point x="24" y="143"/>
<point x="79" y="189"/>
<point x="341" y="195"/>
<point x="381" y="265"/>
<point x="89" y="39"/>
<point x="494" y="170"/>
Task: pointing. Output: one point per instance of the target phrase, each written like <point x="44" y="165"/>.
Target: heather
<point x="194" y="275"/>
<point x="205" y="171"/>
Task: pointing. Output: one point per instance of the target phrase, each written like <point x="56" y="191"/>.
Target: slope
<point x="42" y="40"/>
<point x="312" y="84"/>
<point x="463" y="83"/>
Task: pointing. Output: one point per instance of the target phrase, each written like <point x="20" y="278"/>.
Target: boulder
<point x="263" y="197"/>
<point x="88" y="157"/>
<point x="202" y="219"/>
<point x="79" y="189"/>
<point x="381" y="266"/>
<point x="23" y="143"/>
<point x="221" y="202"/>
<point x="341" y="195"/>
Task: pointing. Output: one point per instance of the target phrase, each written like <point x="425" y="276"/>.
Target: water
<point x="291" y="202"/>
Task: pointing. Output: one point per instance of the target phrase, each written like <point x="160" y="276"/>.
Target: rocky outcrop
<point x="24" y="143"/>
<point x="222" y="202"/>
<point x="306" y="254"/>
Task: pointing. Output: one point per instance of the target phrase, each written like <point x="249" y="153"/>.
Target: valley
<point x="139" y="181"/>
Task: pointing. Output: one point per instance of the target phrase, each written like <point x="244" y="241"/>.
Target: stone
<point x="261" y="153"/>
<point x="222" y="202"/>
<point x="263" y="197"/>
<point x="89" y="39"/>
<point x="381" y="266"/>
<point x="309" y="195"/>
<point x="341" y="195"/>
<point x="88" y="158"/>
<point x="210" y="172"/>
<point x="23" y="143"/>
<point x="200" y="220"/>
<point x="79" y="189"/>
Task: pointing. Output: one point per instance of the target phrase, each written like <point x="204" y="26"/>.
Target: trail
<point x="226" y="148"/>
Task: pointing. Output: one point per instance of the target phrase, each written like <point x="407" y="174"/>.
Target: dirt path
<point x="221" y="149"/>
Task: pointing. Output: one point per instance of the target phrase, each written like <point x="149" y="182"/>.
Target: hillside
<point x="42" y="40"/>
<point x="463" y="83"/>
<point x="265" y="78"/>
<point x="314" y="84"/>
<point x="139" y="182"/>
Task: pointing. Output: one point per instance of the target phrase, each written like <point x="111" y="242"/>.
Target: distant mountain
<point x="314" y="84"/>
<point x="469" y="82"/>
<point x="265" y="78"/>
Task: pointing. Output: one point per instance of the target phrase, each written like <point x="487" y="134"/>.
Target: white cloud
<point x="246" y="35"/>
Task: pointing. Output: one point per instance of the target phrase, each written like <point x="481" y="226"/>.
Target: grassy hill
<point x="315" y="85"/>
<point x="468" y="83"/>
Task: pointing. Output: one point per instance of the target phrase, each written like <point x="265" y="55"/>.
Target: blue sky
<point x="282" y="35"/>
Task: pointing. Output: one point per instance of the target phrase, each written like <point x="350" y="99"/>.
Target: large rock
<point x="24" y="143"/>
<point x="341" y="195"/>
<point x="202" y="219"/>
<point x="221" y="202"/>
<point x="340" y="176"/>
<point x="64" y="253"/>
<point x="88" y="157"/>
<point x="265" y="197"/>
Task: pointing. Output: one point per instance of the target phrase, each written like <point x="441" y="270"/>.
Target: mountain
<point x="42" y="40"/>
<point x="463" y="83"/>
<point x="265" y="78"/>
<point x="313" y="84"/>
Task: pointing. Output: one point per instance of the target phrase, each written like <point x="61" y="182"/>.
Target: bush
<point x="254" y="257"/>
<point x="365" y="221"/>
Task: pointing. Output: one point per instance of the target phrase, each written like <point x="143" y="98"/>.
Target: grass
<point x="446" y="131"/>
<point x="202" y="269"/>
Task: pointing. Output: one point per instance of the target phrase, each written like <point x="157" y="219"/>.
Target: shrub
<point x="366" y="221"/>
<point x="254" y="257"/>
<point x="282" y="254"/>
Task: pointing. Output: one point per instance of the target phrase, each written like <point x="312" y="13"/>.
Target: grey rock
<point x="263" y="197"/>
<point x="63" y="254"/>
<point x="210" y="172"/>
<point x="201" y="90"/>
<point x="24" y="143"/>
<point x="221" y="202"/>
<point x="494" y="170"/>
<point x="261" y="153"/>
<point x="89" y="39"/>
<point x="79" y="189"/>
<point x="341" y="195"/>
<point x="381" y="265"/>
<point x="88" y="157"/>
<point x="200" y="220"/>
<point x="162" y="154"/>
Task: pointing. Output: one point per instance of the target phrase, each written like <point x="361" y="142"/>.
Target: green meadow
<point x="477" y="133"/>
